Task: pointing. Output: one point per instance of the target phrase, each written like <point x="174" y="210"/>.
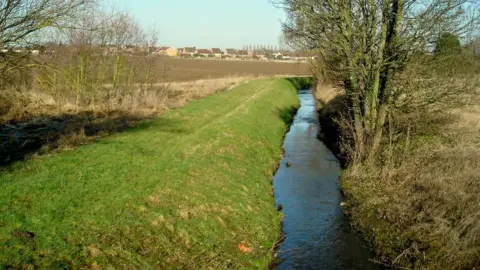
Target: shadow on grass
<point x="301" y="82"/>
<point x="287" y="114"/>
<point x="21" y="139"/>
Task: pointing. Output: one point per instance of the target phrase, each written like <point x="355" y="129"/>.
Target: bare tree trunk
<point x="378" y="65"/>
<point x="377" y="136"/>
<point x="117" y="70"/>
<point x="359" y="133"/>
<point x="351" y="83"/>
<point x="366" y="43"/>
<point x="387" y="78"/>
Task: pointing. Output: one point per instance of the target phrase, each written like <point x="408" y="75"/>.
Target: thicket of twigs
<point x="412" y="175"/>
<point x="417" y="200"/>
<point x="84" y="65"/>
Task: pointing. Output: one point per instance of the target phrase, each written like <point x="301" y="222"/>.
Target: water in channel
<point x="317" y="233"/>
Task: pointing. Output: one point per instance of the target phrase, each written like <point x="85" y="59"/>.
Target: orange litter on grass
<point x="243" y="248"/>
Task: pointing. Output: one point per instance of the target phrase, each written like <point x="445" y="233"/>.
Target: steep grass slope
<point x="182" y="191"/>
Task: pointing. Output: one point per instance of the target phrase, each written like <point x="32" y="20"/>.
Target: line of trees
<point x="81" y="24"/>
<point x="84" y="65"/>
<point x="364" y="44"/>
<point x="23" y="21"/>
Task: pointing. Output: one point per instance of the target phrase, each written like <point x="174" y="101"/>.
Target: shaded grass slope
<point x="182" y="191"/>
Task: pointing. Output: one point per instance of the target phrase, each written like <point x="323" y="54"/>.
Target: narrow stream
<point x="317" y="233"/>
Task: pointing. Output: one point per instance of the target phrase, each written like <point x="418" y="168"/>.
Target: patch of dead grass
<point x="419" y="205"/>
<point x="65" y="123"/>
<point x="143" y="100"/>
<point x="325" y="93"/>
<point x="424" y="212"/>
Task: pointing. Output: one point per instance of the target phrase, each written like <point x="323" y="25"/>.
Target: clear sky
<point x="208" y="23"/>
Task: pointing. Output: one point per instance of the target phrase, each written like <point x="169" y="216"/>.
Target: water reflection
<point x="317" y="233"/>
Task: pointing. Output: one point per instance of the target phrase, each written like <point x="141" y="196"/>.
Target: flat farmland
<point x="175" y="69"/>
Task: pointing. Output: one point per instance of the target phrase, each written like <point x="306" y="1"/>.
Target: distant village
<point x="252" y="52"/>
<point x="247" y="53"/>
<point x="258" y="53"/>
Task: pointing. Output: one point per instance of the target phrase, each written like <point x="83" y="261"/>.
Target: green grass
<point x="178" y="192"/>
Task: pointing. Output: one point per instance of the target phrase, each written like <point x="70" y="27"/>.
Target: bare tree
<point x="21" y="20"/>
<point x="366" y="43"/>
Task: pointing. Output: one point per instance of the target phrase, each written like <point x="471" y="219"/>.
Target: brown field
<point x="175" y="69"/>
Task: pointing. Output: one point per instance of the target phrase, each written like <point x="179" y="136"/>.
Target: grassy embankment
<point x="38" y="123"/>
<point x="182" y="191"/>
<point x="418" y="201"/>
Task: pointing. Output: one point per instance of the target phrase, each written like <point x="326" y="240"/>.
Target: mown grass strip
<point x="182" y="191"/>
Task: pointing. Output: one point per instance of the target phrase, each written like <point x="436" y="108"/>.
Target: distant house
<point x="204" y="52"/>
<point x="260" y="53"/>
<point x="230" y="53"/>
<point x="167" y="51"/>
<point x="217" y="52"/>
<point x="188" y="51"/>
<point x="244" y="54"/>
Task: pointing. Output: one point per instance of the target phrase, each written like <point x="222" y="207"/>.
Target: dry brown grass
<point x="200" y="88"/>
<point x="424" y="210"/>
<point x="418" y="201"/>
<point x="34" y="121"/>
<point x="141" y="100"/>
<point x="326" y="93"/>
<point x="421" y="203"/>
<point x="468" y="117"/>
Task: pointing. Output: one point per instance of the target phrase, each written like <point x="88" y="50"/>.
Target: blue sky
<point x="208" y="23"/>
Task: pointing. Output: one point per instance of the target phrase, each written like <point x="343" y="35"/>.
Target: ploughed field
<point x="178" y="69"/>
